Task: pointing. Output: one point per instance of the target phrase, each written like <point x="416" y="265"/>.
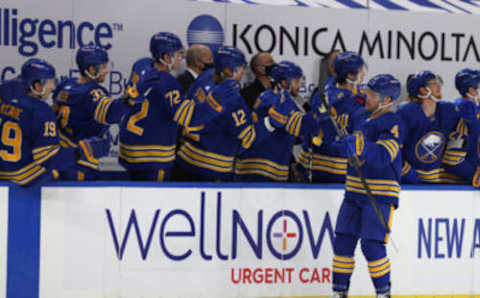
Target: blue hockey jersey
<point x="200" y="88"/>
<point x="148" y="133"/>
<point x="206" y="108"/>
<point x="463" y="155"/>
<point x="425" y="141"/>
<point x="269" y="159"/>
<point x="328" y="162"/>
<point x="84" y="110"/>
<point x="382" y="161"/>
<point x="29" y="148"/>
<point x="211" y="151"/>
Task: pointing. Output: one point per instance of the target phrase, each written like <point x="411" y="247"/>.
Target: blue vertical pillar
<point x="23" y="253"/>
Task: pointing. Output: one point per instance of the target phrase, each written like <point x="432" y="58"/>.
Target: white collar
<point x="192" y="72"/>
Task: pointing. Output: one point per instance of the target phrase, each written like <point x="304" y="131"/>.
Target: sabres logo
<point x="430" y="147"/>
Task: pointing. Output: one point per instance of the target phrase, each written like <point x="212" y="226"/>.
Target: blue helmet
<point x="295" y="70"/>
<point x="227" y="56"/>
<point x="37" y="70"/>
<point x="347" y="62"/>
<point x="90" y="55"/>
<point x="164" y="43"/>
<point x="465" y="79"/>
<point x="285" y="70"/>
<point x="420" y="79"/>
<point x="386" y="85"/>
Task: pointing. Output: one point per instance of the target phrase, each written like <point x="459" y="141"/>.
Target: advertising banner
<point x="242" y="242"/>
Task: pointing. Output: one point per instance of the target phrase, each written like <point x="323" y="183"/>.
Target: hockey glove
<point x="93" y="148"/>
<point x="279" y="114"/>
<point x="355" y="144"/>
<point x="137" y="92"/>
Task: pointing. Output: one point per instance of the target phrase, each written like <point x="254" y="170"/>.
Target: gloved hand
<point x="355" y="144"/>
<point x="467" y="110"/>
<point x="138" y="89"/>
<point x="278" y="114"/>
<point x="93" y="148"/>
<point x="225" y="95"/>
<point x="320" y="104"/>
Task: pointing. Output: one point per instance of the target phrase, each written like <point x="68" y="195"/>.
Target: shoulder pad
<point x="35" y="105"/>
<point x="228" y="88"/>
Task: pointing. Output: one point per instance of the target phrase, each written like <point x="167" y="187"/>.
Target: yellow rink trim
<point x="395" y="296"/>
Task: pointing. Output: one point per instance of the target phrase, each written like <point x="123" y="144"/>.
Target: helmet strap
<point x="382" y="106"/>
<point x="353" y="83"/>
<point x="429" y="95"/>
<point x="38" y="93"/>
<point x="168" y="65"/>
<point x="90" y="76"/>
<point x="475" y="98"/>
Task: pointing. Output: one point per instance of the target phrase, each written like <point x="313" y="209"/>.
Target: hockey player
<point x="328" y="163"/>
<point x="84" y="108"/>
<point x="376" y="142"/>
<point x="210" y="153"/>
<point x="269" y="160"/>
<point x="148" y="134"/>
<point x="428" y="122"/>
<point x="462" y="156"/>
<point x="30" y="151"/>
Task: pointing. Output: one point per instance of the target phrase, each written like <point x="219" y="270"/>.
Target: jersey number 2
<point x="11" y="137"/>
<point x="131" y="124"/>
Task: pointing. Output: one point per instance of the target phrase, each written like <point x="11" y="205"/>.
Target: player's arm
<point x="379" y="153"/>
<point x="205" y="111"/>
<point x="178" y="107"/>
<point x="46" y="144"/>
<point x="47" y="152"/>
<point x="308" y="125"/>
<point x="246" y="129"/>
<point x="455" y="159"/>
<point x="107" y="110"/>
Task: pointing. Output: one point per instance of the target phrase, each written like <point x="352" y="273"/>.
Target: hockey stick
<point x="310" y="162"/>
<point x="356" y="164"/>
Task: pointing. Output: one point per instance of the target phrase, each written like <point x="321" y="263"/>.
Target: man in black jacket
<point x="199" y="58"/>
<point x="261" y="65"/>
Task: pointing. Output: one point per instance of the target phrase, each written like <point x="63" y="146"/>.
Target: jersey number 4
<point x="11" y="137"/>
<point x="394" y="131"/>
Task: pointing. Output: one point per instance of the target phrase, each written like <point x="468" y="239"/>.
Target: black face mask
<point x="207" y="66"/>
<point x="268" y="69"/>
